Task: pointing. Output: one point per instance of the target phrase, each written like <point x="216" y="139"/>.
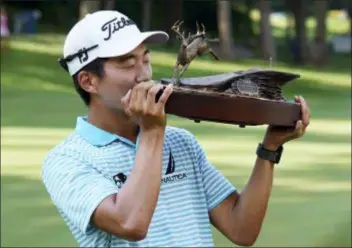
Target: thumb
<point x="299" y="128"/>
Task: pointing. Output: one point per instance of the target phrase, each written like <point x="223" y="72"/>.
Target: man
<point x="124" y="178"/>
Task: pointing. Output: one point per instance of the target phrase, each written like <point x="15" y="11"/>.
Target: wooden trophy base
<point x="252" y="97"/>
<point x="225" y="108"/>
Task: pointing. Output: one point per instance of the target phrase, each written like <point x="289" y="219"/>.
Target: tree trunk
<point x="109" y="4"/>
<point x="300" y="42"/>
<point x="319" y="46"/>
<point x="251" y="36"/>
<point x="146" y="14"/>
<point x="266" y="36"/>
<point x="88" y="6"/>
<point x="225" y="29"/>
<point x="350" y="16"/>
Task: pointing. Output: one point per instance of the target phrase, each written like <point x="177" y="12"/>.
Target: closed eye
<point x="129" y="60"/>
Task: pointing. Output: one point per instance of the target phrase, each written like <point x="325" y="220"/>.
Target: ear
<point x="88" y="82"/>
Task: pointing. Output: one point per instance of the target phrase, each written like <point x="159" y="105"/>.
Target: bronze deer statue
<point x="191" y="47"/>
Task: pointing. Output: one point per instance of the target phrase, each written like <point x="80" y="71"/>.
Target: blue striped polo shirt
<point x="91" y="164"/>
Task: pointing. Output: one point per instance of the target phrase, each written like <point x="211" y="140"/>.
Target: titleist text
<point x="115" y="25"/>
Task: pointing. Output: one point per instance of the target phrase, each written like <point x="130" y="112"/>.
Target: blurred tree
<point x="132" y="9"/>
<point x="319" y="51"/>
<point x="242" y="24"/>
<point x="88" y="6"/>
<point x="249" y="27"/>
<point x="268" y="48"/>
<point x="225" y="29"/>
<point x="350" y="16"/>
<point x="278" y="6"/>
<point x="300" y="42"/>
<point x="146" y="14"/>
<point x="108" y="4"/>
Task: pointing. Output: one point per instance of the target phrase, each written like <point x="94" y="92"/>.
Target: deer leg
<point x="176" y="70"/>
<point x="212" y="53"/>
<point x="184" y="68"/>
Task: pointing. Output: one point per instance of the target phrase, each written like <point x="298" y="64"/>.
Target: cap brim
<point x="154" y="37"/>
<point x="151" y="37"/>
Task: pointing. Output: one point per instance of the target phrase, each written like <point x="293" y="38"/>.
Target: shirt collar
<point x="97" y="136"/>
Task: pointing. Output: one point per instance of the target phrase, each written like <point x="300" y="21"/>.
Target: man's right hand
<point x="139" y="103"/>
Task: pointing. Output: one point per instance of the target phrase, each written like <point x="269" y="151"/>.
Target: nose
<point x="143" y="74"/>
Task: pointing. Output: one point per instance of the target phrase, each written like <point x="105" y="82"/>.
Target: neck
<point x="113" y="122"/>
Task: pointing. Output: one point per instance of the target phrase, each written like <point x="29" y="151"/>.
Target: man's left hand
<point x="277" y="136"/>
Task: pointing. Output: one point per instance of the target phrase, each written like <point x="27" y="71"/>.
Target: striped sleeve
<point x="75" y="188"/>
<point x="217" y="186"/>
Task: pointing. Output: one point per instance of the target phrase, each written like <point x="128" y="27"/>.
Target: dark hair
<point x="96" y="67"/>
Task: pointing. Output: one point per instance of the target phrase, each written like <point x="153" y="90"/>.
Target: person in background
<point x="5" y="32"/>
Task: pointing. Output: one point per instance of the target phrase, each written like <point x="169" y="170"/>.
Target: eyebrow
<point x="131" y="56"/>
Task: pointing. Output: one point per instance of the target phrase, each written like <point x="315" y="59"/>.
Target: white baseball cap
<point x="103" y="34"/>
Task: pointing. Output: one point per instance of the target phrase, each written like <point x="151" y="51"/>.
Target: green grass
<point x="310" y="203"/>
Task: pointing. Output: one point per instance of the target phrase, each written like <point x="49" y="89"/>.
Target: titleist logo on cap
<point x="115" y="25"/>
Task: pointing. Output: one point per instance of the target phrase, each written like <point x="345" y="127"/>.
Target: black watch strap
<point x="273" y="156"/>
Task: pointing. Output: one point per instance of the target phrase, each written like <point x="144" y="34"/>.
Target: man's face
<point x="121" y="74"/>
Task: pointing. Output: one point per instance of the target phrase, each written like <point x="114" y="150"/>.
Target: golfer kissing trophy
<point x="245" y="98"/>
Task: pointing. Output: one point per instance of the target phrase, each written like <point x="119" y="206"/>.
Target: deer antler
<point x="199" y="31"/>
<point x="176" y="29"/>
<point x="203" y="28"/>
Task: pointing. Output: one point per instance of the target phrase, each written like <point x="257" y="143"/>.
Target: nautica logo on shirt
<point x="171" y="169"/>
<point x="121" y="178"/>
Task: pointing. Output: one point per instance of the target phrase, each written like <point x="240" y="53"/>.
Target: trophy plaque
<point x="245" y="98"/>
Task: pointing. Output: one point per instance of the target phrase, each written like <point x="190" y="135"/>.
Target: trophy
<point x="245" y="98"/>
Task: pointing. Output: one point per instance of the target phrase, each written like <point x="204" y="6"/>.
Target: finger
<point x="133" y="97"/>
<point x="165" y="95"/>
<point x="144" y="94"/>
<point x="158" y="94"/>
<point x="297" y="99"/>
<point x="141" y="95"/>
<point x="299" y="129"/>
<point x="151" y="96"/>
<point x="305" y="112"/>
<point x="126" y="102"/>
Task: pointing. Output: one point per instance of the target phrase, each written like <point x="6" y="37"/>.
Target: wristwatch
<point x="273" y="156"/>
